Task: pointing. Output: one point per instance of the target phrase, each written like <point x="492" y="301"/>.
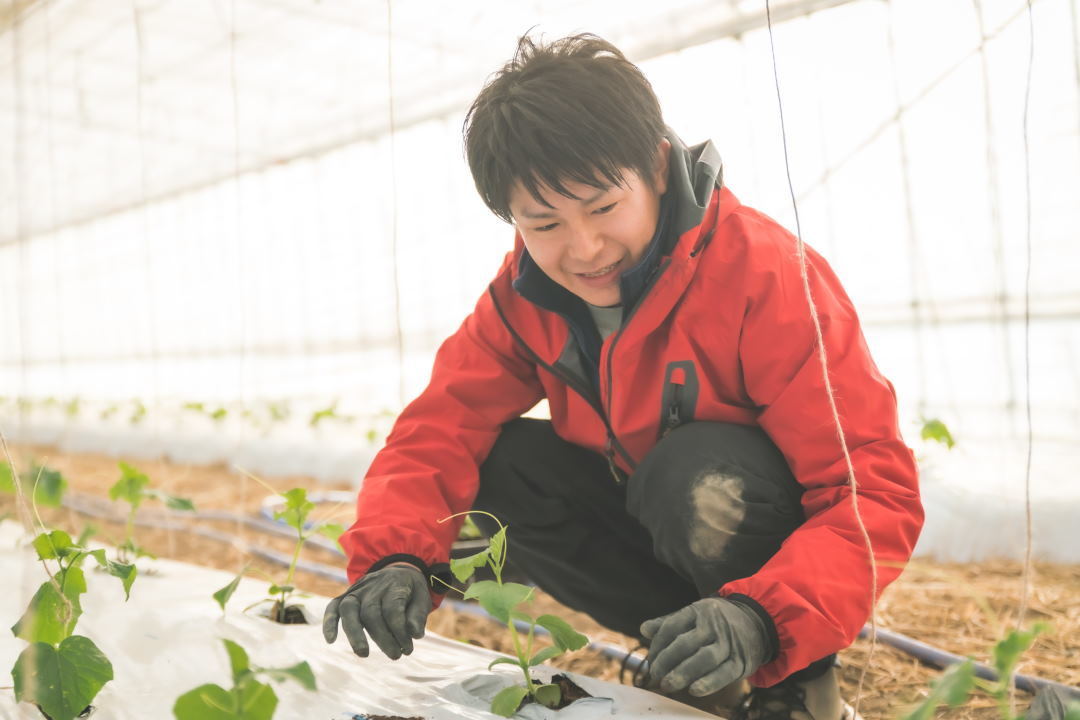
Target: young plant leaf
<point x="278" y="589"/>
<point x="564" y="636"/>
<point x="503" y="661"/>
<point x="126" y="572"/>
<point x="463" y="568"/>
<point x="331" y="530"/>
<point x="498" y="599"/>
<point x="48" y="545"/>
<point x="238" y="660"/>
<point x="258" y="701"/>
<point x="507" y="701"/>
<point x="7" y="482"/>
<point x="300" y="672"/>
<point x="546" y="654"/>
<point x="48" y="618"/>
<point x="937" y="431"/>
<point x="62" y="680"/>
<point x="548" y="695"/>
<point x="173" y="502"/>
<point x="297" y="507"/>
<point x="496" y="547"/>
<point x="131" y="485"/>
<point x="206" y="702"/>
<point x="223" y="595"/>
<point x="50" y="486"/>
<point x="951" y="688"/>
<point x="1073" y="711"/>
<point x="1007" y="651"/>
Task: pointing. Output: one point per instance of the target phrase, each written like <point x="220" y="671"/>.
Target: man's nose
<point x="585" y="243"/>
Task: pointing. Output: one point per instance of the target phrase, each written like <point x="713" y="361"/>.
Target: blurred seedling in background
<point x="49" y="485"/>
<point x="329" y="413"/>
<point x="294" y="512"/>
<point x="248" y="699"/>
<point x="58" y="671"/>
<point x="133" y="488"/>
<point x="955" y="686"/>
<point x="937" y="431"/>
<point x="503" y="601"/>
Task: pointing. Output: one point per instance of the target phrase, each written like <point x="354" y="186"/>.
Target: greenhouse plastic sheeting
<point x="166" y="640"/>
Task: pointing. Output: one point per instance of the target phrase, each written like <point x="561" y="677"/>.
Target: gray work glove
<point x="707" y="645"/>
<point x="391" y="604"/>
<point x="1053" y="703"/>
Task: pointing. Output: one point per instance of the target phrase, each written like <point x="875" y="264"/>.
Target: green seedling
<point x="132" y="489"/>
<point x="138" y="413"/>
<point x="71" y="408"/>
<point x="248" y="699"/>
<point x="503" y="601"/>
<point x="49" y="484"/>
<point x="937" y="431"/>
<point x="295" y="514"/>
<point x="329" y="413"/>
<point x="58" y="671"/>
<point x="955" y="685"/>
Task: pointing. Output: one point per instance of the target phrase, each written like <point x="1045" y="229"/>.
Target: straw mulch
<point x="962" y="608"/>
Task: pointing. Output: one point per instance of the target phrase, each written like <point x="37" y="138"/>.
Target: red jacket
<point x="727" y="311"/>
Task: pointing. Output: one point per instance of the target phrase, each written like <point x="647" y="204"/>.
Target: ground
<point x="962" y="608"/>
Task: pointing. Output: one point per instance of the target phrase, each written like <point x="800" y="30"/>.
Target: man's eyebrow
<point x="584" y="201"/>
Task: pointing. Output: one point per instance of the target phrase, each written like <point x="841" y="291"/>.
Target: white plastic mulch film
<point x="219" y="220"/>
<point x="167" y="640"/>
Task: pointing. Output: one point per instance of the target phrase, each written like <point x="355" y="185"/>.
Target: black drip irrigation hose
<point x="95" y="507"/>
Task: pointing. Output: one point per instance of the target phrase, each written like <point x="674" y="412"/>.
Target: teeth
<point x="601" y="271"/>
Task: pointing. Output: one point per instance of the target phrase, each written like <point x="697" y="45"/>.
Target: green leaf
<point x="99" y="556"/>
<point x="224" y="594"/>
<point x="463" y="568"/>
<point x="330" y="530"/>
<point x="49" y="544"/>
<point x="498" y="599"/>
<point x="503" y="661"/>
<point x="126" y="572"/>
<point x="548" y="695"/>
<point x="258" y="700"/>
<point x="177" y="503"/>
<point x="300" y="672"/>
<point x="1073" y="711"/>
<point x="564" y="636"/>
<point x="937" y="431"/>
<point x="1007" y="651"/>
<point x="296" y="509"/>
<point x="507" y="701"/>
<point x="496" y="548"/>
<point x="546" y="654"/>
<point x="276" y="589"/>
<point x="238" y="660"/>
<point x="219" y="414"/>
<point x="48" y="618"/>
<point x="50" y="486"/>
<point x="130" y="487"/>
<point x="206" y="702"/>
<point x="7" y="482"/>
<point x="951" y="688"/>
<point x="63" y="680"/>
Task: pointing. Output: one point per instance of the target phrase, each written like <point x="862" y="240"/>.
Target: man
<point x="690" y="489"/>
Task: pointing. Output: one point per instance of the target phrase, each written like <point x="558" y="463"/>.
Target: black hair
<point x="573" y="110"/>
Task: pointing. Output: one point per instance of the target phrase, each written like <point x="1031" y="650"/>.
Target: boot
<point x="816" y="699"/>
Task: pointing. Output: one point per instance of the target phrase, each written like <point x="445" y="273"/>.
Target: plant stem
<point x="129" y="530"/>
<point x="523" y="660"/>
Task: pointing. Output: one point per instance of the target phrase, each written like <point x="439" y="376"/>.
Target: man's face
<point x="587" y="242"/>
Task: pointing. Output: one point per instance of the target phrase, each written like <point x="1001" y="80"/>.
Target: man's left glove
<point x="391" y="604"/>
<point x="707" y="645"/>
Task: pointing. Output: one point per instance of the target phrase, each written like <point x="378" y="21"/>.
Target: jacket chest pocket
<point x="679" y="396"/>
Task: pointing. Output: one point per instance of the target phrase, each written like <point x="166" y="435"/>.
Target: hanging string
<point x="1026" y="577"/>
<point x="394" y="200"/>
<point x="823" y="359"/>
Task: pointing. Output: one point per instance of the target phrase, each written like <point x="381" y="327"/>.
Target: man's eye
<point x="546" y="228"/>
<point x="605" y="210"/>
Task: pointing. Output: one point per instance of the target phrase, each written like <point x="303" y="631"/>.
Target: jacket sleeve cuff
<point x="438" y="576"/>
<point x="772" y="637"/>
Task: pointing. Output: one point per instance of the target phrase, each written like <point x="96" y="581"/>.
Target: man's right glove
<point x="707" y="645"/>
<point x="391" y="604"/>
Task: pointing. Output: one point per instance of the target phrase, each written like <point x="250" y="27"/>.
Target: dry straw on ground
<point x="962" y="608"/>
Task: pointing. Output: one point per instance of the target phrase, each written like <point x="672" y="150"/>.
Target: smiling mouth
<point x="599" y="273"/>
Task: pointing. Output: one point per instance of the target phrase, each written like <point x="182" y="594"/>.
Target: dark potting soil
<point x="87" y="712"/>
<point x="568" y="689"/>
<point x="293" y="615"/>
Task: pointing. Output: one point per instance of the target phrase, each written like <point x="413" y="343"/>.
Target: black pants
<point x="711" y="503"/>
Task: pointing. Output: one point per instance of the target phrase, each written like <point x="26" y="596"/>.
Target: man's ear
<point x="660" y="176"/>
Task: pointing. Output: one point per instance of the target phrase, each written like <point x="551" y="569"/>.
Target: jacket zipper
<point x="612" y="445"/>
<point x="673" y="420"/>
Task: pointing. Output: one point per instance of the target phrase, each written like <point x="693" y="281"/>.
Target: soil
<point x="293" y="615"/>
<point x="960" y="607"/>
<point x="569" y="691"/>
